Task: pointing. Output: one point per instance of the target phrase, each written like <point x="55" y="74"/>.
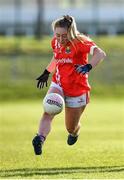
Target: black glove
<point x="83" y="69"/>
<point x="42" y="79"/>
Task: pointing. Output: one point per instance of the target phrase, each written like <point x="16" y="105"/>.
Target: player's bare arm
<point x="52" y="65"/>
<point x="98" y="56"/>
<point x="43" y="78"/>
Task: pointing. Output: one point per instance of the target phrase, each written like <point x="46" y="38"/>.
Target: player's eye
<point x="63" y="35"/>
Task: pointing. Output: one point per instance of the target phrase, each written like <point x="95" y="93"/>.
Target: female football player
<point x="70" y="78"/>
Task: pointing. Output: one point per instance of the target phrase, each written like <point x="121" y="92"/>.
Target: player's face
<point x="61" y="35"/>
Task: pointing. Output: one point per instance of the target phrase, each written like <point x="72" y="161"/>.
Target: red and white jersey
<point x="72" y="83"/>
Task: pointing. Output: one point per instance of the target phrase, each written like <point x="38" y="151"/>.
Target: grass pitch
<point x="99" y="152"/>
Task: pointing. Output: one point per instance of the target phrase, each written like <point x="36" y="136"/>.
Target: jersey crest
<point x="68" y="50"/>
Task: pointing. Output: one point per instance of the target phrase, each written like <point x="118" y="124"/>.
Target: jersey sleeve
<point x="87" y="47"/>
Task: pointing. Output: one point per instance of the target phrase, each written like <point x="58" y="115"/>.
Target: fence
<point x="29" y="17"/>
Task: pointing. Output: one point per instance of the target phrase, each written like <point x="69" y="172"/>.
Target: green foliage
<point x="25" y="58"/>
<point x="22" y="45"/>
<point x="29" y="45"/>
<point x="97" y="154"/>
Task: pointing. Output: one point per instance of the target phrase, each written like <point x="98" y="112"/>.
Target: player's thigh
<point x="54" y="88"/>
<point x="72" y="116"/>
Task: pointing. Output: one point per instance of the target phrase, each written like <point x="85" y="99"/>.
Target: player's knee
<point x="47" y="116"/>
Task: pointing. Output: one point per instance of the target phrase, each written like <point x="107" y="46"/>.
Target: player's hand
<point x="83" y="69"/>
<point x="42" y="79"/>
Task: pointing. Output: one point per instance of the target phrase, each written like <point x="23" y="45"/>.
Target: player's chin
<point x="63" y="43"/>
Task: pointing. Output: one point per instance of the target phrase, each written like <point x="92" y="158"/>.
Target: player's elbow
<point x="103" y="55"/>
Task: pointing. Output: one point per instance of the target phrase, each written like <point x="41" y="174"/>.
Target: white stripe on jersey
<point x="58" y="76"/>
<point x="92" y="49"/>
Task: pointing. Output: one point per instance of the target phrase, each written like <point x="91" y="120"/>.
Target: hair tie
<point x="68" y="19"/>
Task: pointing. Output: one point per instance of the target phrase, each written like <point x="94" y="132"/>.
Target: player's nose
<point x="61" y="39"/>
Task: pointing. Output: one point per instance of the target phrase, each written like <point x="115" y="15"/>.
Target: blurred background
<point x="25" y="37"/>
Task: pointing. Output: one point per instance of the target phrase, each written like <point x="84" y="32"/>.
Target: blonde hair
<point x="69" y="23"/>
